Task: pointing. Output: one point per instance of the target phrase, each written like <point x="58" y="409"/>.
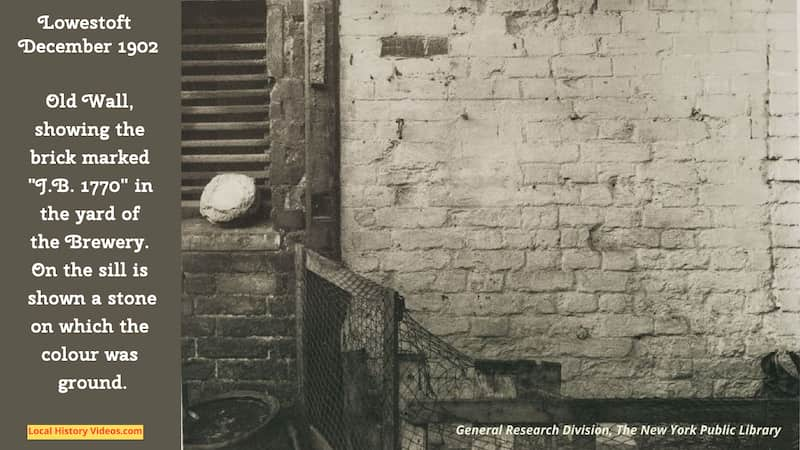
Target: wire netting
<point x="346" y="360"/>
<point x="371" y="371"/>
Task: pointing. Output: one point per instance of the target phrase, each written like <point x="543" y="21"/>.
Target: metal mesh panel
<point x="373" y="376"/>
<point x="347" y="360"/>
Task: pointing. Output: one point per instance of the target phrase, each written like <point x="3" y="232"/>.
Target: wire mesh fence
<point x="375" y="379"/>
<point x="347" y="361"/>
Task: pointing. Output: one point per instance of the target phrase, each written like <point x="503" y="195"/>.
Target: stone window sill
<point x="200" y="235"/>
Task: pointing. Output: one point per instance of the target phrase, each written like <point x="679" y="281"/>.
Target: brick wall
<point x="611" y="184"/>
<point x="238" y="306"/>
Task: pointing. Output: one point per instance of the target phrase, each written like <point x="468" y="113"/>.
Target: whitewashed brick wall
<point x="611" y="184"/>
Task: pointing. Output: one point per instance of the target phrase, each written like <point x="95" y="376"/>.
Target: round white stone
<point x="229" y="197"/>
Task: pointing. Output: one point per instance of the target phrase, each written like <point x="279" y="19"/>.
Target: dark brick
<point x="195" y="389"/>
<point x="198" y="284"/>
<point x="201" y="262"/>
<point x="261" y="283"/>
<point x="290" y="220"/>
<point x="284" y="284"/>
<point x="238" y="305"/>
<point x="281" y="306"/>
<point x="404" y="46"/>
<point x="414" y="46"/>
<point x="282" y="262"/>
<point x="198" y="369"/>
<point x="187" y="305"/>
<point x="221" y="347"/>
<point x="294" y="237"/>
<point x="253" y="370"/>
<point x="249" y="263"/>
<point x="438" y="46"/>
<point x="283" y="348"/>
<point x="188" y="348"/>
<point x="260" y="326"/>
<point x="197" y="326"/>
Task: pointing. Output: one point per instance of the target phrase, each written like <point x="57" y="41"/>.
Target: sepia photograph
<point x="490" y="224"/>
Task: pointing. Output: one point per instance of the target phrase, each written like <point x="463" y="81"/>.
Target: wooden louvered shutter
<point x="224" y="95"/>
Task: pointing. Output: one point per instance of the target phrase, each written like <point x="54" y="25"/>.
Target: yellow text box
<point x="85" y="432"/>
